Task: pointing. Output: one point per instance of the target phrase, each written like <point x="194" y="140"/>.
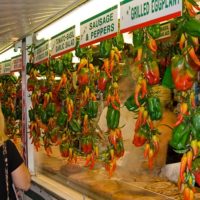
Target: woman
<point x="16" y="173"/>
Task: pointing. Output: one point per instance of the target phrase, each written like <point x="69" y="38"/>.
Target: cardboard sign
<point x="165" y="31"/>
<point x="99" y="27"/>
<point x="136" y="14"/>
<point x="63" y="42"/>
<point x="16" y="63"/>
<point x="41" y="53"/>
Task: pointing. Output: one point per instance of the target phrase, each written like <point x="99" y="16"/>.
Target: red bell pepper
<point x="83" y="76"/>
<point x="102" y="81"/>
<point x="182" y="74"/>
<point x="151" y="72"/>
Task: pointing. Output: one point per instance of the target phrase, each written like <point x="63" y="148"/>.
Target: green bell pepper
<point x="59" y="67"/>
<point x="31" y="114"/>
<point x="13" y="79"/>
<point x="67" y="60"/>
<point x="130" y="103"/>
<point x="62" y="118"/>
<point x="118" y="41"/>
<point x="112" y="117"/>
<point x="39" y="109"/>
<point x="74" y="125"/>
<point x="138" y="37"/>
<point x="51" y="109"/>
<point x="105" y="48"/>
<point x="43" y="116"/>
<point x="154" y="108"/>
<point x="92" y="108"/>
<point x="180" y="136"/>
<point x="42" y="68"/>
<point x="191" y="26"/>
<point x="154" y="30"/>
<point x="6" y="111"/>
<point x="196" y="125"/>
<point x="29" y="66"/>
<point x="80" y="52"/>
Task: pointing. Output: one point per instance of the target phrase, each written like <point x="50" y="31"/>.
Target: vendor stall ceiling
<point x="19" y="18"/>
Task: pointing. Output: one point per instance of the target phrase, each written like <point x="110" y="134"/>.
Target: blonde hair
<point x="163" y="93"/>
<point x="3" y="136"/>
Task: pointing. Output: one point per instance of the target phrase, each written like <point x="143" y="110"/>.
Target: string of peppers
<point x="184" y="66"/>
<point x="144" y="101"/>
<point x="64" y="112"/>
<point x="110" y="51"/>
<point x="10" y="94"/>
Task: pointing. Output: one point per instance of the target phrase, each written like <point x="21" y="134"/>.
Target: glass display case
<point x="132" y="178"/>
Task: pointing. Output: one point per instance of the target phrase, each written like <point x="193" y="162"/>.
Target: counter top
<point x="97" y="185"/>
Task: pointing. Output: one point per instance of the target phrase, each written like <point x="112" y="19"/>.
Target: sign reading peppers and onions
<point x="136" y="14"/>
<point x="41" y="53"/>
<point x="99" y="27"/>
<point x="63" y="42"/>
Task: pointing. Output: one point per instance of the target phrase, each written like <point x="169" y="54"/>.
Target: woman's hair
<point x="3" y="136"/>
<point x="164" y="94"/>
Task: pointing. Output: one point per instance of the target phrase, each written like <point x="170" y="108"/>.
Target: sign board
<point x="6" y="67"/>
<point x="41" y="52"/>
<point x="1" y="68"/>
<point x="16" y="63"/>
<point x="136" y="14"/>
<point x="165" y="31"/>
<point x="63" y="42"/>
<point x="99" y="27"/>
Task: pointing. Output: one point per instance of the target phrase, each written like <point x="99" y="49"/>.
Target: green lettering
<point x="107" y="18"/>
<point x="134" y="12"/>
<point x="90" y="26"/>
<point x="112" y="27"/>
<point x="92" y="34"/>
<point x="100" y="22"/>
<point x="111" y="16"/>
<point x="152" y="6"/>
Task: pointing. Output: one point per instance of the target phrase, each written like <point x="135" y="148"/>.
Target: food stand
<point x="100" y="109"/>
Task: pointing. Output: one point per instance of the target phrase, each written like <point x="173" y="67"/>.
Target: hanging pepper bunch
<point x="144" y="102"/>
<point x="88" y="105"/>
<point x="115" y="148"/>
<point x="145" y="133"/>
<point x="184" y="67"/>
<point x="185" y="139"/>
<point x="110" y="52"/>
<point x="11" y="104"/>
<point x="47" y="125"/>
<point x="64" y="110"/>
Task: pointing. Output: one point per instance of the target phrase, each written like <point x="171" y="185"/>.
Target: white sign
<point x="99" y="27"/>
<point x="1" y="68"/>
<point x="136" y="14"/>
<point x="41" y="52"/>
<point x="6" y="67"/>
<point x="16" y="63"/>
<point x="63" y="42"/>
